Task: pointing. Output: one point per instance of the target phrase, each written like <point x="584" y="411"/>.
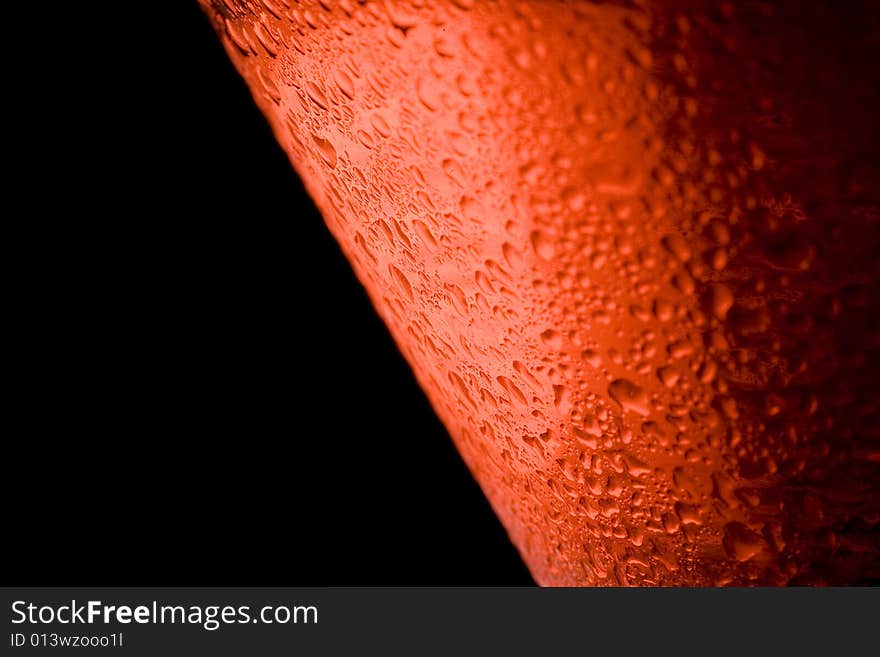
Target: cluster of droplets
<point x="617" y="265"/>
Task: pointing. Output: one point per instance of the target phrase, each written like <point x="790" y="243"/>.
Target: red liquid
<point x="630" y="251"/>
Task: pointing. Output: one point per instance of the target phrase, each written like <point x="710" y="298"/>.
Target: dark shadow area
<point x="208" y="397"/>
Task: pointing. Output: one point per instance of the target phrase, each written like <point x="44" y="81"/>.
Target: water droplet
<point x="630" y="396"/>
<point x="325" y="150"/>
<point x="678" y="247"/>
<point x="454" y="170"/>
<point x="402" y="281"/>
<point x="719" y="299"/>
<point x="668" y="376"/>
<point x="740" y="542"/>
<point x="344" y="82"/>
<point x="552" y="338"/>
<point x="428" y="92"/>
<point x="316" y="95"/>
<point x="542" y="245"/>
<point x="471" y="209"/>
<point x="380" y="125"/>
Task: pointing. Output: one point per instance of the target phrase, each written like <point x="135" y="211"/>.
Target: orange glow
<point x="630" y="251"/>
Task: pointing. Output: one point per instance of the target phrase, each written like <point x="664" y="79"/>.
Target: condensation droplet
<point x="326" y="150"/>
<point x="317" y="95"/>
<point x="630" y="396"/>
<point x="542" y="245"/>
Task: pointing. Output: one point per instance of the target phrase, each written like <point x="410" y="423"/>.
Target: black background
<point x="201" y="391"/>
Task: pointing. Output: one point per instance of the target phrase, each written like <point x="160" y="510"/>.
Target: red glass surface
<point x="630" y="251"/>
